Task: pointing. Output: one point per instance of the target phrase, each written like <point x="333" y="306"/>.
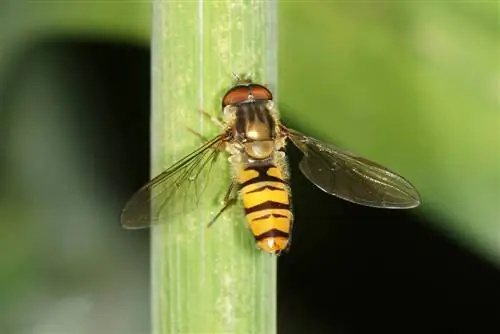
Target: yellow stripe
<point x="263" y="225"/>
<point x="256" y="198"/>
<point x="246" y="175"/>
<point x="257" y="214"/>
<point x="274" y="171"/>
<point x="257" y="185"/>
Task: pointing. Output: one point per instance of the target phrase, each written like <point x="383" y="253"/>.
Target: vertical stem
<point x="207" y="280"/>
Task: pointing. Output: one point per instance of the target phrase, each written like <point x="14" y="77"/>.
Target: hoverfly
<point x="254" y="138"/>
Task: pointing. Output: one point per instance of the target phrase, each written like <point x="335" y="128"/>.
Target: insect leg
<point x="216" y="120"/>
<point x="229" y="201"/>
<point x="202" y="137"/>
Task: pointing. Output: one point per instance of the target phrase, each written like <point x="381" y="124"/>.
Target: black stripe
<point x="262" y="169"/>
<point x="265" y="206"/>
<point x="275" y="215"/>
<point x="264" y="116"/>
<point x="273" y="233"/>
<point x="242" y="118"/>
<point x="265" y="187"/>
<point x="263" y="176"/>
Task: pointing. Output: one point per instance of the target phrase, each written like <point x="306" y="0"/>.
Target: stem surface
<point x="207" y="280"/>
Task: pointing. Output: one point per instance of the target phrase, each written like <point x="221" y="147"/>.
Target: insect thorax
<point x="254" y="130"/>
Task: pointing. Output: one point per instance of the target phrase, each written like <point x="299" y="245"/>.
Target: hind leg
<point x="229" y="200"/>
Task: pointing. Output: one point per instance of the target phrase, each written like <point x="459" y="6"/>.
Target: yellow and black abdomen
<point x="266" y="199"/>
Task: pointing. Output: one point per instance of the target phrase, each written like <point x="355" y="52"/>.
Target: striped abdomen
<point x="266" y="199"/>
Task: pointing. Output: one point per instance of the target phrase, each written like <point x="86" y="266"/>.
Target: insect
<point x="254" y="138"/>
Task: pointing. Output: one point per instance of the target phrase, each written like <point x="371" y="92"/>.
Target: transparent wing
<point x="352" y="178"/>
<point x="177" y="190"/>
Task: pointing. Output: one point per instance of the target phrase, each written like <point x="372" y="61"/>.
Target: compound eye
<point x="245" y="93"/>
<point x="236" y="95"/>
<point x="261" y="93"/>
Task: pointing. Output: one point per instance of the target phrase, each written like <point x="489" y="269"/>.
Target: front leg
<point x="219" y="121"/>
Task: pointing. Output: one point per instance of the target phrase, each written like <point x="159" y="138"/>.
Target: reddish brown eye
<point x="236" y="95"/>
<point x="261" y="92"/>
<point x="243" y="93"/>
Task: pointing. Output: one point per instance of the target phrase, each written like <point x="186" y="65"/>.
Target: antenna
<point x="236" y="76"/>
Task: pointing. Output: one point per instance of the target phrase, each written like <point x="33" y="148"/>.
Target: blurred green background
<point x="412" y="85"/>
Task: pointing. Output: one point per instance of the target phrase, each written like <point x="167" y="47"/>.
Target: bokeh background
<point x="413" y="85"/>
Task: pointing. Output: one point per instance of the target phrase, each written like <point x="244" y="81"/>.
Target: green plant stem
<point x="207" y="280"/>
